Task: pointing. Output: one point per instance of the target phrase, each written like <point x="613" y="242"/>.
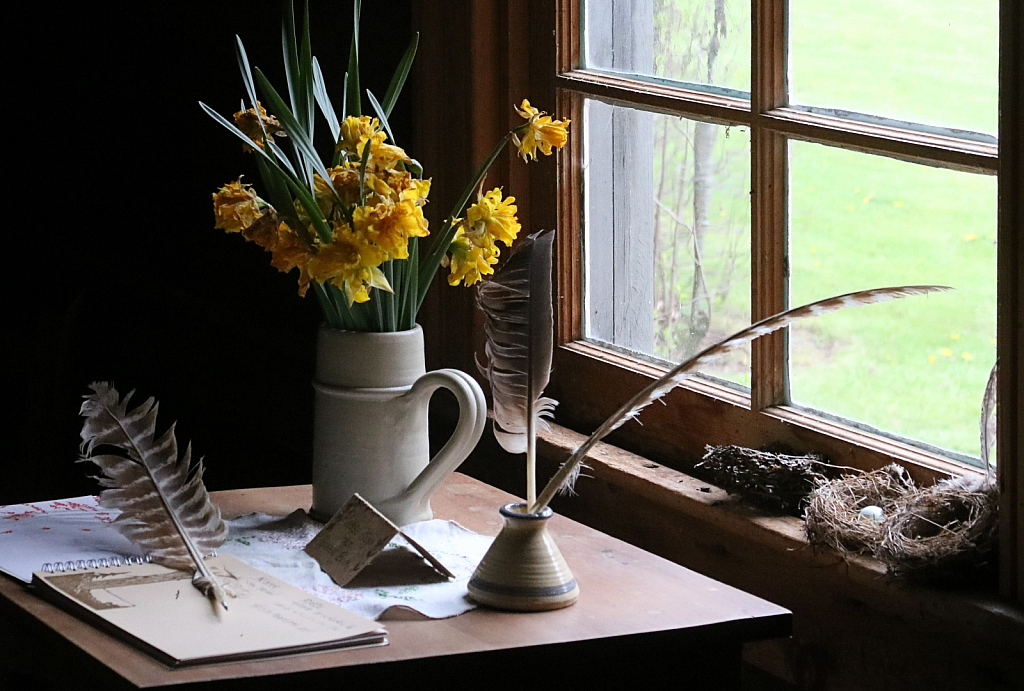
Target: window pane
<point x="916" y="367"/>
<point x="697" y="41"/>
<point x="667" y="218"/>
<point x="929" y="61"/>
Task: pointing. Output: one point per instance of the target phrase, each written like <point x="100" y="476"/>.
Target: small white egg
<point x="871" y="513"/>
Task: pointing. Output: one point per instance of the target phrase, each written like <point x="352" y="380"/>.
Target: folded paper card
<point x="354" y="536"/>
<point x="397" y="584"/>
<point x="157" y="610"/>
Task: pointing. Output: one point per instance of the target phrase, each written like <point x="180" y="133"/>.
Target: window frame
<point x="772" y="123"/>
<point x="585" y="373"/>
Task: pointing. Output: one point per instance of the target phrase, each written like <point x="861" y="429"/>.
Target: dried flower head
<point x="236" y="207"/>
<point x="249" y="122"/>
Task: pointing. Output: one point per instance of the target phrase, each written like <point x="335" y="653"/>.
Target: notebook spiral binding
<point x="104" y="563"/>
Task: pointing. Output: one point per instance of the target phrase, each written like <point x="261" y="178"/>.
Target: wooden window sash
<point x="1010" y="296"/>
<point x="772" y="124"/>
<point x="661" y="98"/>
<point x="769" y="233"/>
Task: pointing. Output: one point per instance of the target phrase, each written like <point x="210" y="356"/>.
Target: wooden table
<point x="638" y="619"/>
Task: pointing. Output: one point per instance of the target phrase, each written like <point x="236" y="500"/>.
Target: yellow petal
<point x="379" y="280"/>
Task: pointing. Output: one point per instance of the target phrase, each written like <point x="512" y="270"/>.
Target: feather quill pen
<point x="164" y="506"/>
<point x="519" y="325"/>
<point x="568" y="471"/>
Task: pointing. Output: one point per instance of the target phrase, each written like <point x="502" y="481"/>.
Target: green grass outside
<point x="916" y="367"/>
<point x="929" y="61"/>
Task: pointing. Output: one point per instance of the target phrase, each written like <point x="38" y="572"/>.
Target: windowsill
<point x="677" y="491"/>
<point x="705" y="528"/>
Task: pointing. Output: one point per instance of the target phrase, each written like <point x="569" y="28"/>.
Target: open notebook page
<point x="61" y="530"/>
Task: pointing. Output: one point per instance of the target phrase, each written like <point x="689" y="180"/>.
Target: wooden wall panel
<point x="1010" y="349"/>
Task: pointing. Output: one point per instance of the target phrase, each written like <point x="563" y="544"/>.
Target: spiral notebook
<point x="72" y="556"/>
<point x="159" y="610"/>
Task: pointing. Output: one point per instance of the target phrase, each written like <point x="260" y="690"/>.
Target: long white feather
<point x="164" y="506"/>
<point x="659" y="387"/>
<point x="519" y="325"/>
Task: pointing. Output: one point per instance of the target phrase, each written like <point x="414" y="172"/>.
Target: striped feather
<point x="988" y="422"/>
<point x="655" y="390"/>
<point x="519" y="325"/>
<point x="164" y="506"/>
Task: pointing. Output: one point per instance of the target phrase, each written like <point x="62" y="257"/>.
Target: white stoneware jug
<point x="370" y="423"/>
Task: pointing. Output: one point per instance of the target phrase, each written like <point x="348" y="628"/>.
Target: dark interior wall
<point x="114" y="269"/>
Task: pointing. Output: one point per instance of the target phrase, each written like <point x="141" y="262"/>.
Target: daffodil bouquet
<point x="350" y="223"/>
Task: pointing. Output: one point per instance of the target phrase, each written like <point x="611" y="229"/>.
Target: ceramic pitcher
<point x="370" y="423"/>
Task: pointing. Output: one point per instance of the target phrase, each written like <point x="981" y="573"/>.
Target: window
<point x="762" y="142"/>
<point x="714" y="189"/>
<point x="667" y="210"/>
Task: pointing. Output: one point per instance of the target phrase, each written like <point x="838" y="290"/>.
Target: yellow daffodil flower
<point x="236" y="207"/>
<point x="389" y="226"/>
<point x="350" y="262"/>
<point x="540" y="132"/>
<point x="492" y="218"/>
<point x="378" y="190"/>
<point x="382" y="156"/>
<point x="355" y="130"/>
<point x="290" y="252"/>
<point x="469" y="262"/>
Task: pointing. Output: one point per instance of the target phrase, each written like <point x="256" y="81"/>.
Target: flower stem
<point x="439" y="248"/>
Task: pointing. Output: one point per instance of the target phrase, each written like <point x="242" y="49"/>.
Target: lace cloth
<point x="398" y="583"/>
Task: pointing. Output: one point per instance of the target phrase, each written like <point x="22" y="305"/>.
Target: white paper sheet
<point x="399" y="583"/>
<point x="62" y="530"/>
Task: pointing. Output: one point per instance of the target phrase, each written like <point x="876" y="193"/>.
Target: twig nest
<point x="846" y="514"/>
<point x="769" y="480"/>
<point x="942" y="531"/>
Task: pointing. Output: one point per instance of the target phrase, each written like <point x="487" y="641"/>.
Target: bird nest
<point x="943" y="531"/>
<point x="938" y="533"/>
<point x="833" y="515"/>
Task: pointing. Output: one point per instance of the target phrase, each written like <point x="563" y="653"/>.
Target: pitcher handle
<point x="415" y="500"/>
